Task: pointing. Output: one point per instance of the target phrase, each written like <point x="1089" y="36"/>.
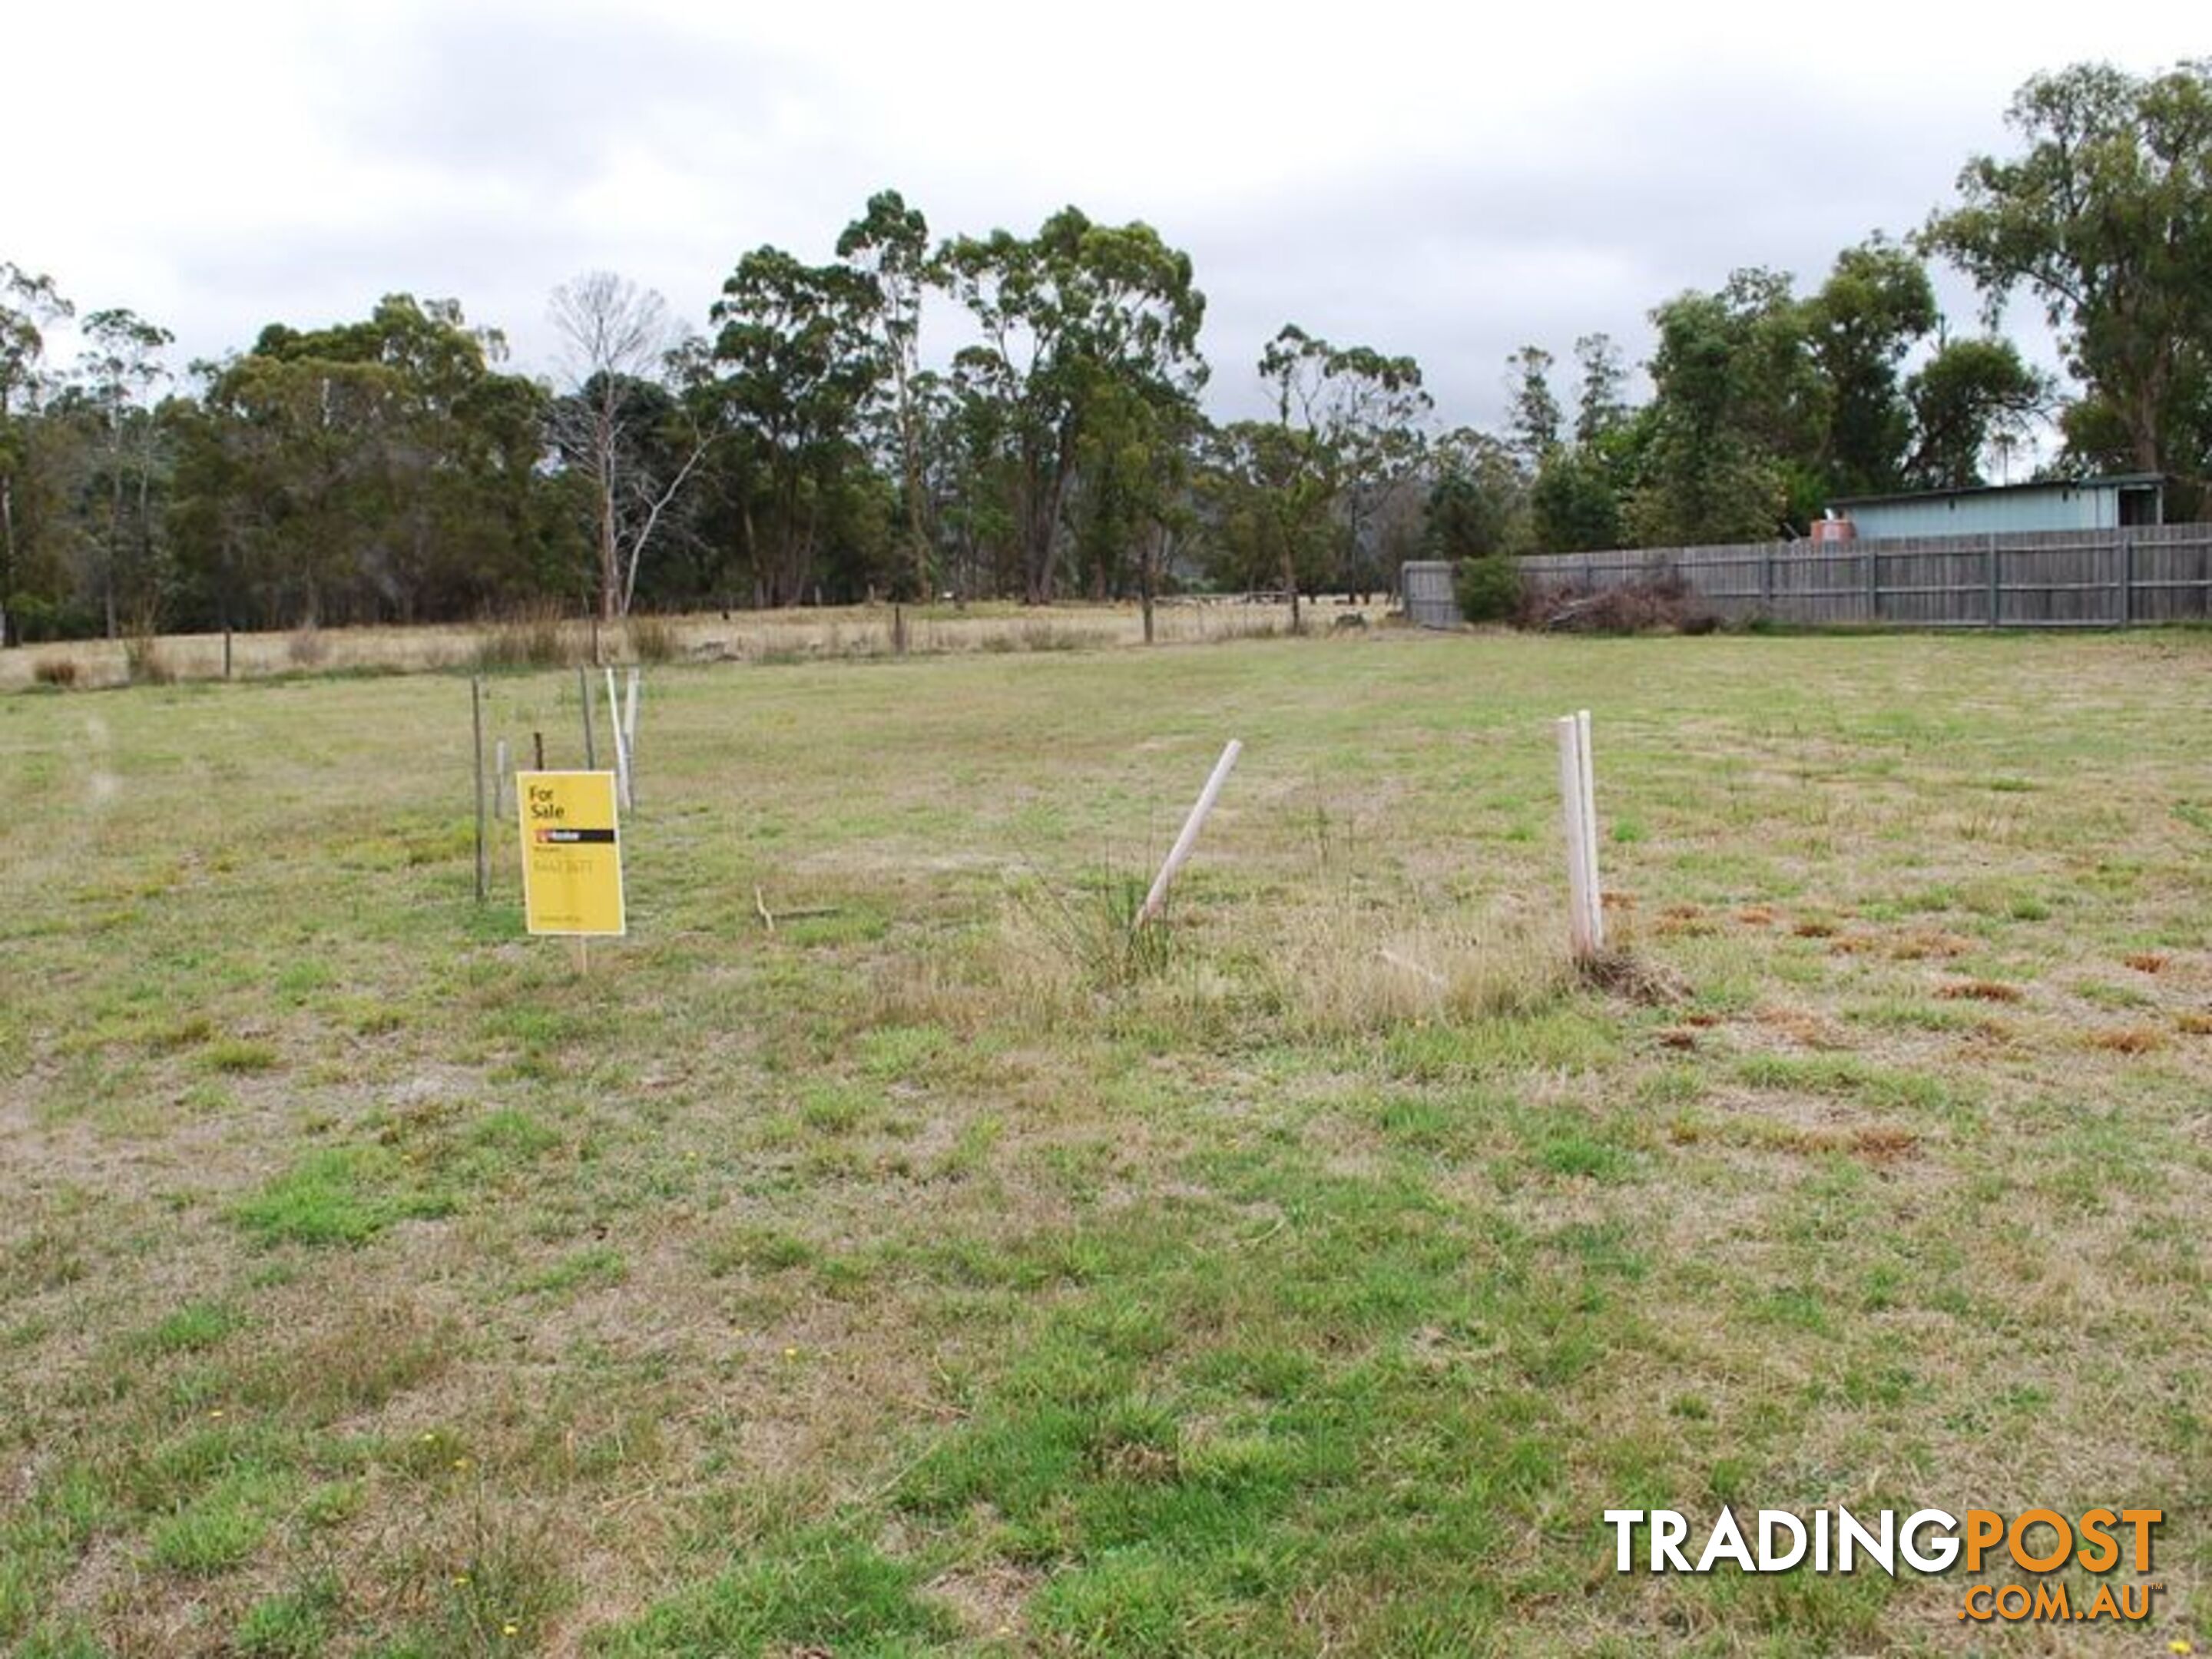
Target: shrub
<point x="145" y="662"/>
<point x="306" y="648"/>
<point x="60" y="673"/>
<point x="1488" y="588"/>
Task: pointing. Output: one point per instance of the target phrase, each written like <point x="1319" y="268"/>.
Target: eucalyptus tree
<point x="383" y="468"/>
<point x="1350" y="434"/>
<point x="1973" y="396"/>
<point x="1075" y="316"/>
<point x="1600" y="401"/>
<point x="1266" y="491"/>
<point x="1478" y="503"/>
<point x="1737" y="408"/>
<point x="1135" y="509"/>
<point x="1533" y="417"/>
<point x="2105" y="217"/>
<point x="968" y="460"/>
<point x="29" y="304"/>
<point x="1875" y="307"/>
<point x="889" y="247"/>
<point x="794" y="368"/>
<point x="117" y="375"/>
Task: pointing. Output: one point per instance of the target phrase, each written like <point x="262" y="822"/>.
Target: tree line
<point x="804" y="445"/>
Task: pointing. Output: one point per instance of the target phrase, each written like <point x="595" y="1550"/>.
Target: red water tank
<point x="1834" y="530"/>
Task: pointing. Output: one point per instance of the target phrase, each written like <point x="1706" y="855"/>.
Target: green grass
<point x="954" y="1270"/>
<point x="340" y="1196"/>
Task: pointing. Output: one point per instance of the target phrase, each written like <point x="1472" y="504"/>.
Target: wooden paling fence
<point x="2051" y="579"/>
<point x="1427" y="586"/>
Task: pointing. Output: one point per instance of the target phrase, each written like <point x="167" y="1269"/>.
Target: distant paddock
<point x="800" y="635"/>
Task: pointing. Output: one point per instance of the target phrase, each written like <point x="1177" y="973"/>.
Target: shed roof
<point x="2116" y="481"/>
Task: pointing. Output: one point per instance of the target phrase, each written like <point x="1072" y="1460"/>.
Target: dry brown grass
<point x="306" y="648"/>
<point x="542" y="636"/>
<point x="1924" y="943"/>
<point x="1343" y="973"/>
<point x="146" y="661"/>
<point x="1979" y="990"/>
<point x="651" y="639"/>
<point x="2127" y="1039"/>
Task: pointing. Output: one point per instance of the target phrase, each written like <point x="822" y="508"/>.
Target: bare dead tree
<point x="617" y="336"/>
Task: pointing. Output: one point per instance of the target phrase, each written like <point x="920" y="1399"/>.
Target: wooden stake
<point x="1577" y="839"/>
<point x="538" y="741"/>
<point x="1179" y="853"/>
<point x="622" y="749"/>
<point x="476" y="724"/>
<point x="768" y="917"/>
<point x="584" y="690"/>
<point x="579" y="953"/>
<point x="1596" y="888"/>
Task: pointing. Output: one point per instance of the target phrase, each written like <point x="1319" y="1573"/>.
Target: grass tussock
<point x="1341" y="973"/>
<point x="1091" y="937"/>
<point x="306" y="648"/>
<point x="651" y="639"/>
<point x="59" y="672"/>
<point x="535" y="636"/>
<point x="147" y="662"/>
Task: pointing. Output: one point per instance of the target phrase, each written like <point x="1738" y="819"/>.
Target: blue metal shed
<point x="2135" y="498"/>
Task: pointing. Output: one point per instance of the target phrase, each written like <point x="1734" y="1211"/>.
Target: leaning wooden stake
<point x="1179" y="853"/>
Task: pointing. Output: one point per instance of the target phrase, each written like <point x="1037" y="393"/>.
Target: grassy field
<point x="938" y="1273"/>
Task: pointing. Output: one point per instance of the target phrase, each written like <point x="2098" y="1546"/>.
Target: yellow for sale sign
<point x="572" y="879"/>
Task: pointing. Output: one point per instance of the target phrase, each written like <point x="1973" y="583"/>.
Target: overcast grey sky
<point x="1446" y="183"/>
